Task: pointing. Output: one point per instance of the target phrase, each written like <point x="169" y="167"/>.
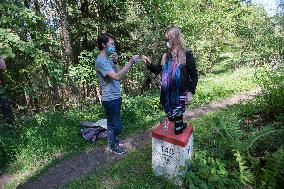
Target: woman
<point x="179" y="77"/>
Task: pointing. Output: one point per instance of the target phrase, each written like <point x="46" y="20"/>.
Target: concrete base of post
<point x="170" y="152"/>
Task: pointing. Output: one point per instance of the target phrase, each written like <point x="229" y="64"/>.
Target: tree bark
<point x="53" y="88"/>
<point x="85" y="15"/>
<point x="61" y="6"/>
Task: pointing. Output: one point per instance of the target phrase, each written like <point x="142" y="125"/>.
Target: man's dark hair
<point x="103" y="39"/>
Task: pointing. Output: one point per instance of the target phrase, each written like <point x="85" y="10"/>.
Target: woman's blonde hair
<point x="178" y="40"/>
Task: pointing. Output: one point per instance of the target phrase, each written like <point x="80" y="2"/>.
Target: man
<point x="109" y="75"/>
<point x="4" y="103"/>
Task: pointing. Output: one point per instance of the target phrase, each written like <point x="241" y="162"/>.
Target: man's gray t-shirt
<point x="110" y="87"/>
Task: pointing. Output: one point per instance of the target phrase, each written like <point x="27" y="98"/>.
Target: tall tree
<point x="53" y="87"/>
<point x="61" y="7"/>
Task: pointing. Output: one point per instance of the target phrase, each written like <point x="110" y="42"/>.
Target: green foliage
<point x="24" y="41"/>
<point x="219" y="140"/>
<point x="35" y="46"/>
<point x="272" y="173"/>
<point x="258" y="145"/>
<point x="225" y="137"/>
<point x="244" y="172"/>
<point x="224" y="84"/>
<point x="41" y="137"/>
<point x="139" y="112"/>
<point x="84" y="71"/>
<point x="207" y="172"/>
<point x="271" y="79"/>
<point x="221" y="136"/>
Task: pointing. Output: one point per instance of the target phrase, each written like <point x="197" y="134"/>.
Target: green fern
<point x="258" y="142"/>
<point x="273" y="173"/>
<point x="246" y="176"/>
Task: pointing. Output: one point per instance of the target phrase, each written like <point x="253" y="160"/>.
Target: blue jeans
<point x="114" y="125"/>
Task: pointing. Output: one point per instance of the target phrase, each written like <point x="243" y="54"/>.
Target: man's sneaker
<point x="117" y="150"/>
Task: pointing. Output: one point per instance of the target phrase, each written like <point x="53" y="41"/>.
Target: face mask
<point x="110" y="50"/>
<point x="169" y="45"/>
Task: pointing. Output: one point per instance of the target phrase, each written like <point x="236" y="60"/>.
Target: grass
<point x="35" y="143"/>
<point x="214" y="87"/>
<point x="225" y="145"/>
<point x="134" y="171"/>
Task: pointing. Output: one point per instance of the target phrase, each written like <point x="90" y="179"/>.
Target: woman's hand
<point x="146" y="60"/>
<point x="189" y="98"/>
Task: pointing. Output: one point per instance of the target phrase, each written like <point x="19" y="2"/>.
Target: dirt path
<point x="82" y="164"/>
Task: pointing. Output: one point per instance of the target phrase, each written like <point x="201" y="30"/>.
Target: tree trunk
<point x="85" y="15"/>
<point x="61" y="6"/>
<point x="53" y="88"/>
